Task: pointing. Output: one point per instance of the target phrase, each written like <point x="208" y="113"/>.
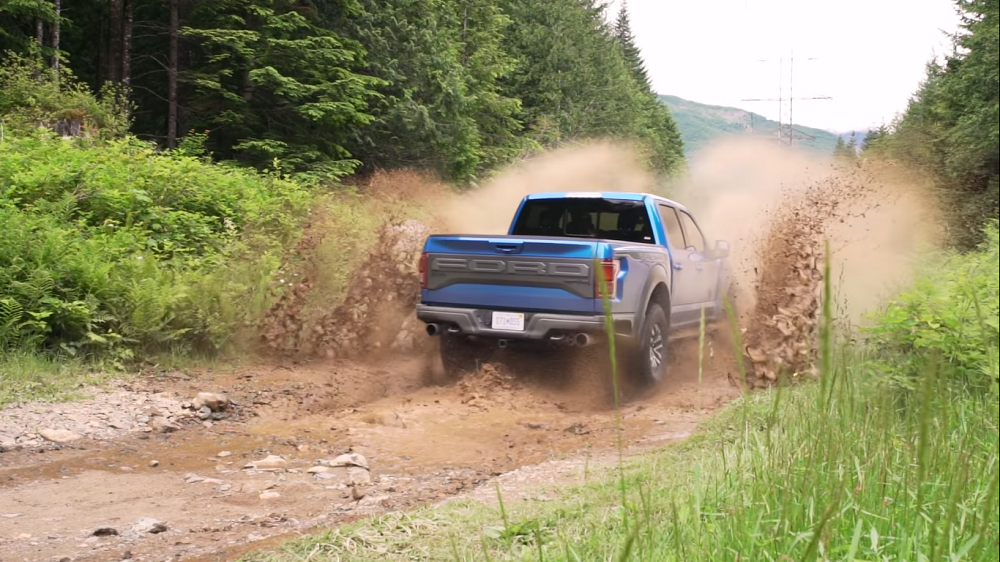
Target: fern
<point x="11" y="313"/>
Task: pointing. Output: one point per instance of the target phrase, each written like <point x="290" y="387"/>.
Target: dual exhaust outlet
<point x="580" y="339"/>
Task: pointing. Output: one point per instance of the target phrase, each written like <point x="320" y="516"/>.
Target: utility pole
<point x="786" y="128"/>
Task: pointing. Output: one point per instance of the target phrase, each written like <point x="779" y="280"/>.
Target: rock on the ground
<point x="7" y="441"/>
<point x="192" y="478"/>
<point x="359" y="476"/>
<point x="59" y="435"/>
<point x="163" y="425"/>
<point x="149" y="525"/>
<point x="268" y="462"/>
<point x="372" y="500"/>
<point x="350" y="459"/>
<point x="211" y="400"/>
<point x="270" y="496"/>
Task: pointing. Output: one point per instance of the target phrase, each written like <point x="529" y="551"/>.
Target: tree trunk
<point x="127" y="44"/>
<point x="172" y="77"/>
<point x="115" y="40"/>
<point x="39" y="33"/>
<point x="55" y="35"/>
<point x="465" y="30"/>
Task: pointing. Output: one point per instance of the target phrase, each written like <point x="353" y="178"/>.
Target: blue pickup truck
<point x="540" y="284"/>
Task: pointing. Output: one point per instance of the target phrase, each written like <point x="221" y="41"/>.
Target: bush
<point x="951" y="312"/>
<point x="110" y="248"/>
<point x="32" y="95"/>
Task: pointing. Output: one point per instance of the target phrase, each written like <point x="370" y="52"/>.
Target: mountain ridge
<point x="701" y="124"/>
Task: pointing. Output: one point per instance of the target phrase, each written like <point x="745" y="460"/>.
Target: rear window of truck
<point x="604" y="219"/>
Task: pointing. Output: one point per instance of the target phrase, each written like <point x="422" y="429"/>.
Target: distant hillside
<point x="701" y="124"/>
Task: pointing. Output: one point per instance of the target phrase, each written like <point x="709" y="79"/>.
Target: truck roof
<point x="620" y="195"/>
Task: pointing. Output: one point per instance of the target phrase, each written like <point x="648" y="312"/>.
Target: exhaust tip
<point x="433" y="329"/>
<point x="582" y="339"/>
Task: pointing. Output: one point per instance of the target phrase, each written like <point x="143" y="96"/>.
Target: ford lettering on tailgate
<point x="573" y="275"/>
<point x="524" y="267"/>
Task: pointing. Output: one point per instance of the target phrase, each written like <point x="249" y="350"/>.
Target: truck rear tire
<point x="460" y="355"/>
<point x="651" y="349"/>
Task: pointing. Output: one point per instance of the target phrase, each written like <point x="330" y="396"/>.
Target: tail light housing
<point x="423" y="270"/>
<point x="608" y="272"/>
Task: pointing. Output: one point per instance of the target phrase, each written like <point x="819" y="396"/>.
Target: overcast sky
<point x="869" y="54"/>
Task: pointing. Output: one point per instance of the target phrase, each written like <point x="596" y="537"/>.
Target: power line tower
<point x="786" y="133"/>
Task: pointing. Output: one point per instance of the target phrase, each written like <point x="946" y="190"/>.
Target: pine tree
<point x="660" y="132"/>
<point x="273" y="84"/>
<point x="441" y="105"/>
<point x="626" y="41"/>
<point x="840" y="150"/>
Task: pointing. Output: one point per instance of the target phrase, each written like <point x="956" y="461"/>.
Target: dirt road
<point x="89" y="499"/>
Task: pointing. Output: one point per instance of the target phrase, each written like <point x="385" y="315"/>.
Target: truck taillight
<point x="609" y="271"/>
<point x="423" y="270"/>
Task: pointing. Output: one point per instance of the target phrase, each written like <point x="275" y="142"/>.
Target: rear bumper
<point x="537" y="325"/>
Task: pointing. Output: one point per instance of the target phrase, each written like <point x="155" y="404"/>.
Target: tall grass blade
<point x="609" y="328"/>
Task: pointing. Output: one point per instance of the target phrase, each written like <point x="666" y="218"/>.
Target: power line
<point x="786" y="130"/>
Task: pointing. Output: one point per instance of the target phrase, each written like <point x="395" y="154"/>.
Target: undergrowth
<point x="891" y="455"/>
<point x="112" y="251"/>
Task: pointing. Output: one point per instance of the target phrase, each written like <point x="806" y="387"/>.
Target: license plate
<point x="508" y="321"/>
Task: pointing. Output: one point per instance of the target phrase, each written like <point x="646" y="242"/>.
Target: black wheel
<point x="460" y="355"/>
<point x="651" y="349"/>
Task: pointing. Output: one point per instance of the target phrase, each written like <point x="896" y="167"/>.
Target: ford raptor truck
<point x="540" y="284"/>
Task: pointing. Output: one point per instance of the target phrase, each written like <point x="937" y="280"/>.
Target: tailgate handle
<point x="506" y="248"/>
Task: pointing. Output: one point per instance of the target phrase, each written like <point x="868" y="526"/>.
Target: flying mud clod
<point x="376" y="314"/>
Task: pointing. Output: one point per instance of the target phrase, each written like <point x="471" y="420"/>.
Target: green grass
<point x="32" y="377"/>
<point x="853" y="466"/>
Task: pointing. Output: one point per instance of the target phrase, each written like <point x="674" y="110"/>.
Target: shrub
<point x="951" y="312"/>
<point x="32" y="95"/>
<point x="108" y="248"/>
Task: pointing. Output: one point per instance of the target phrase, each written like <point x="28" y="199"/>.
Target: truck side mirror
<point x="721" y="249"/>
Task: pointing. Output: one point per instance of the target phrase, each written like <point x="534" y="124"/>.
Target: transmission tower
<point x="787" y="133"/>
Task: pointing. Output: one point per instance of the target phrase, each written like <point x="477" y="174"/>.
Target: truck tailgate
<point x="512" y="273"/>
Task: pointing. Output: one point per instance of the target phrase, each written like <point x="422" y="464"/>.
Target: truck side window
<point x="675" y="236"/>
<point x="692" y="233"/>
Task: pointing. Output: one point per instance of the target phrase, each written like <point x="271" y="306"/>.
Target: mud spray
<point x="774" y="205"/>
